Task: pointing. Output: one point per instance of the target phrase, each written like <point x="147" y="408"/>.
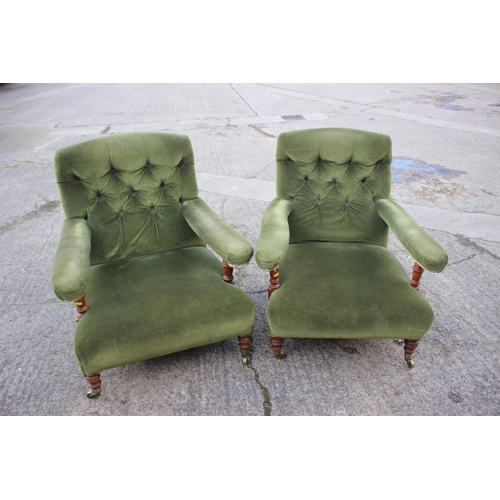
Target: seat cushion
<point x="346" y="290"/>
<point x="156" y="304"/>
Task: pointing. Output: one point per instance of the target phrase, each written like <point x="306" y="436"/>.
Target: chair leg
<point x="227" y="271"/>
<point x="276" y="344"/>
<point x="274" y="280"/>
<point x="410" y="346"/>
<point x="416" y="275"/>
<point x="81" y="308"/>
<point x="95" y="386"/>
<point x="245" y="341"/>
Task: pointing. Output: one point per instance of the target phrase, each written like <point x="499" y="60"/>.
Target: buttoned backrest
<point x="333" y="177"/>
<point x="129" y="188"/>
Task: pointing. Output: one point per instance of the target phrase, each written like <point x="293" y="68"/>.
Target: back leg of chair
<point x="227" y="271"/>
<point x="95" y="386"/>
<point x="416" y="275"/>
<point x="410" y="346"/>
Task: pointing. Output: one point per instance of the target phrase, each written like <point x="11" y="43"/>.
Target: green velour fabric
<point x="274" y="234"/>
<point x="156" y="304"/>
<point x="151" y="285"/>
<point x="328" y="230"/>
<point x="219" y="235"/>
<point x="333" y="178"/>
<point x="346" y="290"/>
<point x="71" y="270"/>
<point x="420" y="245"/>
<point x="130" y="189"/>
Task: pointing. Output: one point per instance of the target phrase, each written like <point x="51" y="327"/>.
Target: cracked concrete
<point x="233" y="128"/>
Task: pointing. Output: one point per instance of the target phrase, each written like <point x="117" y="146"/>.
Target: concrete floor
<point x="445" y="173"/>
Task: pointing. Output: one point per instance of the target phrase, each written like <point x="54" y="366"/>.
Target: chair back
<point x="333" y="177"/>
<point x="129" y="188"/>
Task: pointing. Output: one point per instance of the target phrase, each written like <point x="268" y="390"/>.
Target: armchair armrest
<point x="224" y="239"/>
<point x="274" y="234"/>
<point x="71" y="270"/>
<point x="420" y="245"/>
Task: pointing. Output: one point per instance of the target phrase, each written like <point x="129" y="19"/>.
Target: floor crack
<point x="463" y="260"/>
<point x="263" y="132"/>
<point x="39" y="211"/>
<point x="243" y="99"/>
<point x="471" y="244"/>
<point x="266" y="405"/>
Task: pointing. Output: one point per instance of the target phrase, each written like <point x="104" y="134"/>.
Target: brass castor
<point x="279" y="354"/>
<point x="410" y="363"/>
<point x="245" y="355"/>
<point x="94" y="393"/>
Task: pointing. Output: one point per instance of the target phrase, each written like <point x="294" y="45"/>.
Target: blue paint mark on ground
<point x="411" y="169"/>
<point x="446" y="98"/>
<point x="453" y="107"/>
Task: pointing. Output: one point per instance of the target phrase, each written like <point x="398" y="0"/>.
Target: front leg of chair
<point x="94" y="380"/>
<point x="274" y="281"/>
<point x="245" y="341"/>
<point x="95" y="386"/>
<point x="416" y="275"/>
<point x="274" y="284"/>
<point x="81" y="308"/>
<point x="410" y="346"/>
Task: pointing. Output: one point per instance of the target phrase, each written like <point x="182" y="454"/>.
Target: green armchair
<point x="324" y="240"/>
<point x="132" y="254"/>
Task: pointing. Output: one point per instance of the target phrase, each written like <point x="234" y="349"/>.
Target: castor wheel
<point x="245" y="356"/>
<point x="93" y="393"/>
<point x="279" y="354"/>
<point x="410" y="363"/>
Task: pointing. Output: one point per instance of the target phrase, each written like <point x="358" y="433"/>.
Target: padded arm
<point x="71" y="270"/>
<point x="274" y="234"/>
<point x="224" y="239"/>
<point x="420" y="245"/>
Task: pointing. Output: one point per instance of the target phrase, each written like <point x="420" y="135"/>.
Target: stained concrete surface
<point x="446" y="148"/>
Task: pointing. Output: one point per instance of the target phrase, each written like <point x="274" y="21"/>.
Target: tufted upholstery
<point x="324" y="239"/>
<point x="133" y="245"/>
<point x="333" y="182"/>
<point x="129" y="189"/>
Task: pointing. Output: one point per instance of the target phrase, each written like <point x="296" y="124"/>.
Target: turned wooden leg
<point x="228" y="273"/>
<point x="276" y="344"/>
<point x="274" y="280"/>
<point x="95" y="386"/>
<point x="416" y="275"/>
<point x="410" y="346"/>
<point x="245" y="341"/>
<point x="81" y="308"/>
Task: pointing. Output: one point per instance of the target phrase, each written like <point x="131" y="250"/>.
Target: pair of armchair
<point x="133" y="253"/>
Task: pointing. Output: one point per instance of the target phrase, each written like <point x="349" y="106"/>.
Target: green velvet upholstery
<point x="134" y="243"/>
<point x="332" y="181"/>
<point x="155" y="304"/>
<point x="346" y="290"/>
<point x="328" y="230"/>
